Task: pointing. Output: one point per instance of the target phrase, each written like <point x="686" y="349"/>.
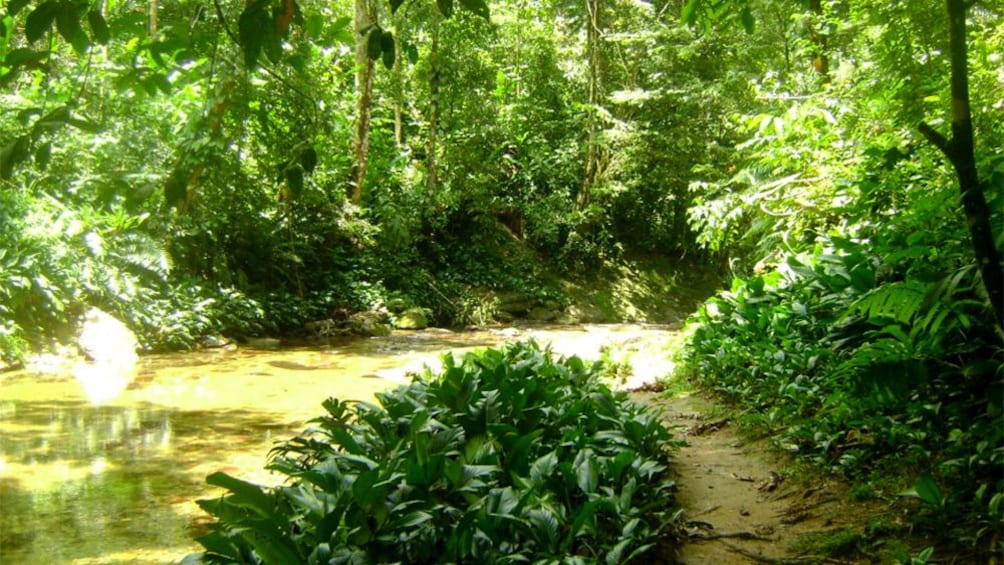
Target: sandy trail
<point x="740" y="507"/>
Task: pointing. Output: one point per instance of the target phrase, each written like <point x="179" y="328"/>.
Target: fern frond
<point x="898" y="302"/>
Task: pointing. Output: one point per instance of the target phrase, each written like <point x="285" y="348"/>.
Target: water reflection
<point x="114" y="483"/>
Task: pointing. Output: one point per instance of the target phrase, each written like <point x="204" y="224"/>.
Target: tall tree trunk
<point x="365" y="17"/>
<point x="594" y="62"/>
<point x="398" y="85"/>
<point x="431" y="174"/>
<point x="960" y="152"/>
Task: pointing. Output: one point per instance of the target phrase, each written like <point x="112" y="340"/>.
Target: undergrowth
<point x="507" y="456"/>
<point x="867" y="363"/>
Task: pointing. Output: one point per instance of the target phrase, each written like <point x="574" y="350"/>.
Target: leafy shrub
<point x="508" y="456"/>
<point x="865" y="362"/>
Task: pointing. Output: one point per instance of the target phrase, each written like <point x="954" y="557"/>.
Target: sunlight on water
<point x="90" y="477"/>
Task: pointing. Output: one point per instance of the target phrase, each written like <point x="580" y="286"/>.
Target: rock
<point x="264" y="342"/>
<point x="412" y="319"/>
<point x="368" y="324"/>
<point x="515" y="303"/>
<point x="541" y="314"/>
<point x="214" y="341"/>
<point x="507" y="333"/>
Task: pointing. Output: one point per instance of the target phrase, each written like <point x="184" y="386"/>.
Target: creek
<point x="116" y="482"/>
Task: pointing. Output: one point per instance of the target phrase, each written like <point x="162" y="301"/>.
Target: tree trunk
<point x="365" y="17"/>
<point x="398" y="85"/>
<point x="591" y="171"/>
<point x="431" y="174"/>
<point x="960" y="152"/>
<point x="152" y="20"/>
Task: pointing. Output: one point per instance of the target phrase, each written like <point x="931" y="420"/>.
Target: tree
<point x="960" y="152"/>
<point x="367" y="32"/>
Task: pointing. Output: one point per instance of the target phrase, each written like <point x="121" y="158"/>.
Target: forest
<point x="210" y="168"/>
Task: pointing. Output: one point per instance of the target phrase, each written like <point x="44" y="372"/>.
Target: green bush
<point x="868" y="363"/>
<point x="508" y="456"/>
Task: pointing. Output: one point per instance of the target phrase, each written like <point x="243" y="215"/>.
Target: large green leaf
<point x="99" y="27"/>
<point x="387" y="49"/>
<point x="14" y="7"/>
<point x="374" y="43"/>
<point x="68" y="24"/>
<point x="40" y="20"/>
<point x="587" y="471"/>
<point x="23" y="56"/>
<point x="244" y="494"/>
<point x="252" y="27"/>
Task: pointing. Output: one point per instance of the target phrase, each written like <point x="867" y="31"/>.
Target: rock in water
<point x="413" y="319"/>
<point x="110" y="348"/>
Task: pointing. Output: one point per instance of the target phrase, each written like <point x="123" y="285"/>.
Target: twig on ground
<point x="783" y="560"/>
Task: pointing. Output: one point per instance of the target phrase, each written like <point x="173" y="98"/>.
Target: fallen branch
<point x="783" y="560"/>
<point x="726" y="535"/>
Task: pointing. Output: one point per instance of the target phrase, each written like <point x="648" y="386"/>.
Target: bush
<point x="508" y="456"/>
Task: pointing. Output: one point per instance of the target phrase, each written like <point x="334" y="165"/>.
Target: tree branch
<point x="936" y="139"/>
<point x="270" y="72"/>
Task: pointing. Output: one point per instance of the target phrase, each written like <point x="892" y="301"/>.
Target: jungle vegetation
<point x="242" y="168"/>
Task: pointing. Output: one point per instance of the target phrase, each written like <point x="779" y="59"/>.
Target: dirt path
<point x="740" y="505"/>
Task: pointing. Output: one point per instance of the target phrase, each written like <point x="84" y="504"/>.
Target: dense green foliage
<point x="507" y="456"/>
<point x="857" y="328"/>
<point x="200" y="169"/>
<point x="190" y="176"/>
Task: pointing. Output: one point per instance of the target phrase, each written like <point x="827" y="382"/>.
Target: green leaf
<point x="13" y="154"/>
<point x="220" y="544"/>
<point x="689" y="14"/>
<point x="587" y="473"/>
<point x="99" y="27"/>
<point x="387" y="47"/>
<point x="294" y="179"/>
<point x="244" y="494"/>
<point x="308" y="159"/>
<point x="543" y="468"/>
<point x="477" y="7"/>
<point x="272" y="545"/>
<point x="374" y="43"/>
<point x="394" y="5"/>
<point x="42" y="156"/>
<point x="15" y="6"/>
<point x="445" y="7"/>
<point x="929" y="491"/>
<point x="251" y="28"/>
<point x="40" y="21"/>
<point x="746" y="18"/>
<point x="16" y="57"/>
<point x="68" y="24"/>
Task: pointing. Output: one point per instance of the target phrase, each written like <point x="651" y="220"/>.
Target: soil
<point x="743" y="505"/>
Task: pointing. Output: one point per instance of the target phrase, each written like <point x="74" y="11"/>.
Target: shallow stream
<point x="116" y="482"/>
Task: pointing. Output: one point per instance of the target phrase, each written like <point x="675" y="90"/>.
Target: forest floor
<point x="744" y="502"/>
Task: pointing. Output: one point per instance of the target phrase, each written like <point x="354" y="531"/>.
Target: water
<point x="116" y="482"/>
